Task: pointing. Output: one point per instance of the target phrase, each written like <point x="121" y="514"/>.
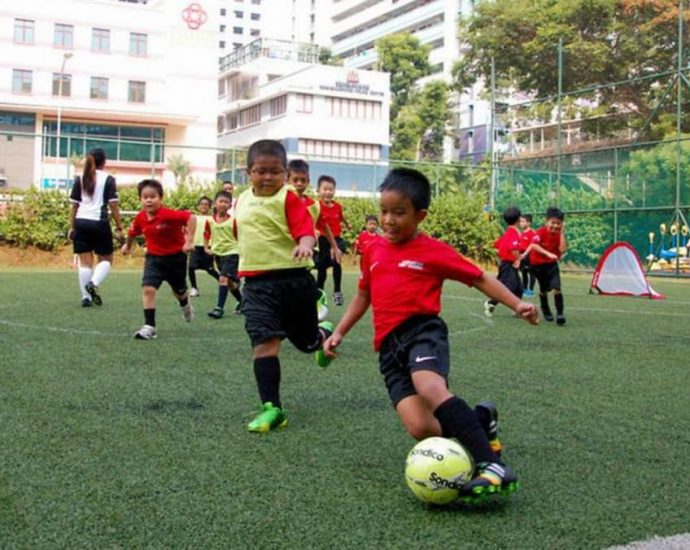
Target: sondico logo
<point x="194" y="15"/>
<point x="428" y="452"/>
<point x="443" y="482"/>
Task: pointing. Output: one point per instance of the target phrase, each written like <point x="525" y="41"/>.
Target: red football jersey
<point x="163" y="232"/>
<point x="406" y="279"/>
<point x="526" y="238"/>
<point x="331" y="215"/>
<point x="547" y="240"/>
<point x="507" y="244"/>
<point x="364" y="240"/>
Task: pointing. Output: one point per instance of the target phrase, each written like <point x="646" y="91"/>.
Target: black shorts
<point x="323" y="258"/>
<point x="198" y="259"/>
<point x="227" y="266"/>
<point x="510" y="277"/>
<point x="549" y="277"/>
<point x="171" y="269"/>
<point x="92" y="236"/>
<point x="419" y="343"/>
<point x="524" y="264"/>
<point x="282" y="304"/>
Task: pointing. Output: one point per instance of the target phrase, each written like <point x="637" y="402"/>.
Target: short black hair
<point x="323" y="178"/>
<point x="411" y="184"/>
<point x="268" y="148"/>
<point x="371" y="218"/>
<point x="511" y="215"/>
<point x="205" y="198"/>
<point x="298" y="165"/>
<point x="553" y="212"/>
<point x="528" y="217"/>
<point x="155" y="184"/>
<point x="223" y="194"/>
<point x="228" y="182"/>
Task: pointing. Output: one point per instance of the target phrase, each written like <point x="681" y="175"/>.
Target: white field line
<point x="675" y="542"/>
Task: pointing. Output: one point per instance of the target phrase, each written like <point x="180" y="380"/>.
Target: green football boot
<point x="322" y="306"/>
<point x="268" y="419"/>
<point x="491" y="479"/>
<point x="322" y="360"/>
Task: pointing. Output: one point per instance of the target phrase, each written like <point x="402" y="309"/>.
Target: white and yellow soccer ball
<point x="436" y="469"/>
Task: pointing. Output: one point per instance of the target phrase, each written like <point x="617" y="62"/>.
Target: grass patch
<point x="110" y="442"/>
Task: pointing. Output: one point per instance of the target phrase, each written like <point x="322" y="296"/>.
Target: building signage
<point x="194" y="15"/>
<point x="351" y="85"/>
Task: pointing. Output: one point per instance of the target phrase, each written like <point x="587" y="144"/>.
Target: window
<point x="222" y="28"/>
<point x="136" y="92"/>
<point x="250" y="115"/>
<point x="254" y="32"/>
<point x="354" y="108"/>
<point x="256" y="2"/>
<point x="100" y="40"/>
<point x="23" y="31"/>
<point x="305" y="103"/>
<point x="278" y="105"/>
<point x="236" y="45"/>
<point x="239" y="14"/>
<point x="99" y="88"/>
<point x="237" y="30"/>
<point x="221" y="87"/>
<point x="21" y="81"/>
<point x="255" y="16"/>
<point x="64" y="36"/>
<point x="223" y="11"/>
<point x="221" y="44"/>
<point x="138" y="44"/>
<point x="62" y="84"/>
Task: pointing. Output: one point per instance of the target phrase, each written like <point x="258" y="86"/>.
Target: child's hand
<point x="553" y="256"/>
<point x="207" y="251"/>
<point x="336" y="255"/>
<point x="126" y="249"/>
<point x="330" y="345"/>
<point x="528" y="312"/>
<point x="516" y="264"/>
<point x="302" y="252"/>
<point x="188" y="246"/>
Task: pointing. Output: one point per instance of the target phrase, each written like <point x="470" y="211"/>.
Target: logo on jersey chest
<point x="412" y="264"/>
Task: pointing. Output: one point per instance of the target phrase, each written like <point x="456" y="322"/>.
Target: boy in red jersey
<point x="275" y="235"/>
<point x="402" y="277"/>
<point x="526" y="236"/>
<point x="548" y="245"/>
<point x="331" y="217"/>
<point x="508" y="252"/>
<point x="169" y="236"/>
<point x="366" y="237"/>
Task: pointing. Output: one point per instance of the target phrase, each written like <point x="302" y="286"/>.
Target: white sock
<point x="84" y="278"/>
<point x="100" y="272"/>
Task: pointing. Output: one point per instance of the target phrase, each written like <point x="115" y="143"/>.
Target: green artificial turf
<point x="110" y="442"/>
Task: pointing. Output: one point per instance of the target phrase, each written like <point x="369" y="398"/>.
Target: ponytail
<point x="88" y="178"/>
<point x="95" y="160"/>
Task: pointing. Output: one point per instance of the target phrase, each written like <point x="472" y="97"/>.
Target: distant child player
<point x="526" y="236"/>
<point x="508" y="246"/>
<point x="331" y="216"/>
<point x="199" y="258"/>
<point x="275" y="234"/>
<point x="220" y="241"/>
<point x="169" y="235"/>
<point x="402" y="277"/>
<point x="548" y="246"/>
<point x="370" y="234"/>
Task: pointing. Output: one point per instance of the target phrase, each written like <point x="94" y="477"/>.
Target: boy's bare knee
<point x="421" y="428"/>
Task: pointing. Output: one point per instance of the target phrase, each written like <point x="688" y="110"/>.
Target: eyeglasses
<point x="275" y="172"/>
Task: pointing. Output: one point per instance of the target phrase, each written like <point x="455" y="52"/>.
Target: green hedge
<point x="42" y="219"/>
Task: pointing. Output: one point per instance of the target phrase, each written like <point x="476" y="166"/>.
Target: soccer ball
<point x="436" y="468"/>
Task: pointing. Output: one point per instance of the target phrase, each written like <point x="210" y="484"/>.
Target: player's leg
<point x="85" y="272"/>
<point x="338" y="298"/>
<point x="323" y="262"/>
<point x="176" y="276"/>
<point x="417" y="418"/>
<point x="82" y="244"/>
<point x="219" y="310"/>
<point x="555" y="281"/>
<point x="234" y="280"/>
<point x="542" y="277"/>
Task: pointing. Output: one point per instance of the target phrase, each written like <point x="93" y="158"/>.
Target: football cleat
<point x="193" y="292"/>
<point x="92" y="289"/>
<point x="217" y="313"/>
<point x="489" y="421"/>
<point x="322" y="306"/>
<point x="489" y="309"/>
<point x="491" y="479"/>
<point x="268" y="419"/>
<point x="147" y="332"/>
<point x="338" y="298"/>
<point x="322" y="360"/>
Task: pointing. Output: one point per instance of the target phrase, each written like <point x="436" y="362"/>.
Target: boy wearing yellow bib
<point x="275" y="234"/>
<point x="199" y="258"/>
<point x="219" y="239"/>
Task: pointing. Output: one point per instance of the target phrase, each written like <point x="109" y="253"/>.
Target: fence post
<point x="559" y="141"/>
<point x="615" y="194"/>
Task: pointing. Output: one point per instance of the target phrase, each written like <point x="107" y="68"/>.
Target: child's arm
<point x="115" y="211"/>
<point x="535" y="246"/>
<point x="358" y="307"/>
<point x="563" y="245"/>
<point x="189" y="237"/>
<point x="496" y="290"/>
<point x="336" y="254"/>
<point x="305" y="248"/>
<point x="72" y="218"/>
<point x="127" y="247"/>
<point x="207" y="238"/>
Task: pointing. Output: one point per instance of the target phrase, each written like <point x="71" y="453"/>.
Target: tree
<point x="603" y="41"/>
<point x="407" y="60"/>
<point x="180" y="167"/>
<point x="326" y="57"/>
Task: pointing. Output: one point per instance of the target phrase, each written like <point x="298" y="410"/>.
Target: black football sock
<point x="267" y="374"/>
<point x="150" y="316"/>
<point x="192" y="278"/>
<point x="237" y="294"/>
<point x="321" y="273"/>
<point x="532" y="280"/>
<point x="525" y="278"/>
<point x="213" y="273"/>
<point x="558" y="298"/>
<point x="458" y="420"/>
<point x="544" y="301"/>
<point x="337" y="277"/>
<point x="222" y="296"/>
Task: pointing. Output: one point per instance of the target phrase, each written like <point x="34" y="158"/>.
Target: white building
<point x="240" y="22"/>
<point x="358" y="24"/>
<point x="333" y="116"/>
<point x="138" y="79"/>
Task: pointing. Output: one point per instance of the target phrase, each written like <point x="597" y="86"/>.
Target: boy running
<point x="508" y="246"/>
<point x="526" y="236"/>
<point x="200" y="259"/>
<point x="402" y="277"/>
<point x="275" y="234"/>
<point x="370" y="234"/>
<point x="169" y="235"/>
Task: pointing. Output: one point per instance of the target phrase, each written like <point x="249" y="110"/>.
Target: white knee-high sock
<point x="100" y="272"/>
<point x="84" y="278"/>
